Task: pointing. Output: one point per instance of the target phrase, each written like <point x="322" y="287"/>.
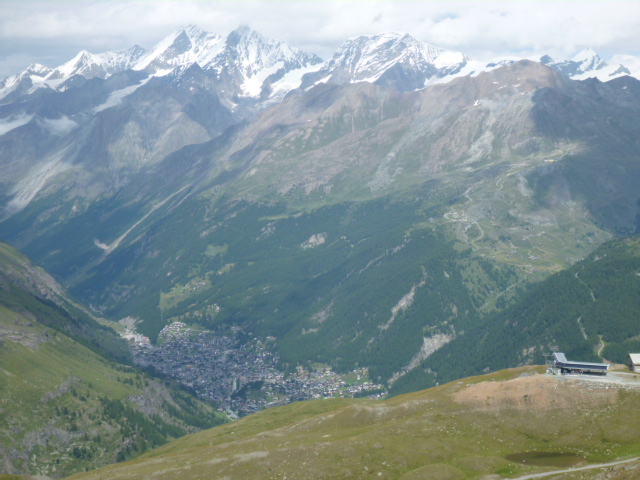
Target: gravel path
<point x="615" y="378"/>
<point x="577" y="469"/>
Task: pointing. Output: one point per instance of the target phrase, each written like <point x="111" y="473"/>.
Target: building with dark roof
<point x="561" y="363"/>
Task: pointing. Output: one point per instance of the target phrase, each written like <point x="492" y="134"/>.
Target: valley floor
<point x="243" y="379"/>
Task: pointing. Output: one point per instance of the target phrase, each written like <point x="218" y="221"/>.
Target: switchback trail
<point x="577" y="469"/>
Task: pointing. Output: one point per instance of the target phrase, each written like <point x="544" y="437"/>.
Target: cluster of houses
<point x="242" y="378"/>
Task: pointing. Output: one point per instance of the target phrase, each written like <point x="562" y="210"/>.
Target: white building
<point x="634" y="362"/>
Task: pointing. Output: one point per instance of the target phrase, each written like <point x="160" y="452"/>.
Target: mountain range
<point x="368" y="210"/>
<point x="258" y="67"/>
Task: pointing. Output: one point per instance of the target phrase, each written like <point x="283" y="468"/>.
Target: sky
<point x="52" y="32"/>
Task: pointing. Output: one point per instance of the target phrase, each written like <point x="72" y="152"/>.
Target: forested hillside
<point x="590" y="312"/>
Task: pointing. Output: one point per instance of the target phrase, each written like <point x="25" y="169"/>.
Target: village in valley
<point x="241" y="377"/>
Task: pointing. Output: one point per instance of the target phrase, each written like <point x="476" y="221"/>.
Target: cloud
<point x="632" y="62"/>
<point x="53" y="32"/>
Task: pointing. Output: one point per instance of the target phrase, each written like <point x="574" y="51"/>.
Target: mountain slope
<point x="486" y="181"/>
<point x="31" y="291"/>
<point x="588" y="311"/>
<point x="438" y="433"/>
<point x="294" y="217"/>
<point x="65" y="407"/>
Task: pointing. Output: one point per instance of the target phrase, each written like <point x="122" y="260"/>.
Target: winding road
<point x="454" y="215"/>
<point x="576" y="469"/>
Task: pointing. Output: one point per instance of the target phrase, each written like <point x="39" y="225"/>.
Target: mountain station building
<point x="565" y="366"/>
<point x="634" y="362"/>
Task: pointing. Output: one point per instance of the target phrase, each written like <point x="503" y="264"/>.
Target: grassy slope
<point x="63" y="406"/>
<point x="455" y="431"/>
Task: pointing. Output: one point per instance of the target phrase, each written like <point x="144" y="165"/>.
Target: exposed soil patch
<point x="533" y="392"/>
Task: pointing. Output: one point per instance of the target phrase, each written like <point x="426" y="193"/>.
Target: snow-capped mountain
<point x="102" y="65"/>
<point x="246" y="62"/>
<point x="391" y="59"/>
<point x="586" y="64"/>
<point x="180" y="49"/>
<point x="249" y="67"/>
<point x="34" y="72"/>
<point x="86" y="64"/>
<point x="21" y="82"/>
<point x="261" y="66"/>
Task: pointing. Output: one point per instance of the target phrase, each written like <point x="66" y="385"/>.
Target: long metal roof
<point x="559" y="357"/>
<point x="561" y="360"/>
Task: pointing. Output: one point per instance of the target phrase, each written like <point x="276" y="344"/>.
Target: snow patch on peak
<point x="194" y="31"/>
<point x="448" y="59"/>
<point x="35" y="73"/>
<point x="589" y="60"/>
<point x="37" y="70"/>
<point x="116" y="97"/>
<point x="588" y="54"/>
<point x="585" y="64"/>
<point x="392" y="58"/>
<point x="101" y="65"/>
<point x="180" y="48"/>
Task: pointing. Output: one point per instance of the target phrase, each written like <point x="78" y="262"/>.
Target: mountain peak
<point x="585" y="64"/>
<point x="37" y="69"/>
<point x="589" y="60"/>
<point x="244" y="32"/>
<point x="101" y="65"/>
<point x="245" y="58"/>
<point x="258" y="62"/>
<point x="183" y="47"/>
<point x="193" y="30"/>
<point x="586" y="54"/>
<point x="395" y="59"/>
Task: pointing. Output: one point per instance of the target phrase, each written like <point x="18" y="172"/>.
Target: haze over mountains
<point x="366" y="210"/>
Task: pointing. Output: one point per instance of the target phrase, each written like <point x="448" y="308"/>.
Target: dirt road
<point x="576" y="469"/>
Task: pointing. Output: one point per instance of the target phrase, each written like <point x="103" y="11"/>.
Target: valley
<point x="241" y="377"/>
<point x="361" y="262"/>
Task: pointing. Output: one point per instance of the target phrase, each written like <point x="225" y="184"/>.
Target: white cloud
<point x="632" y="62"/>
<point x="53" y="32"/>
